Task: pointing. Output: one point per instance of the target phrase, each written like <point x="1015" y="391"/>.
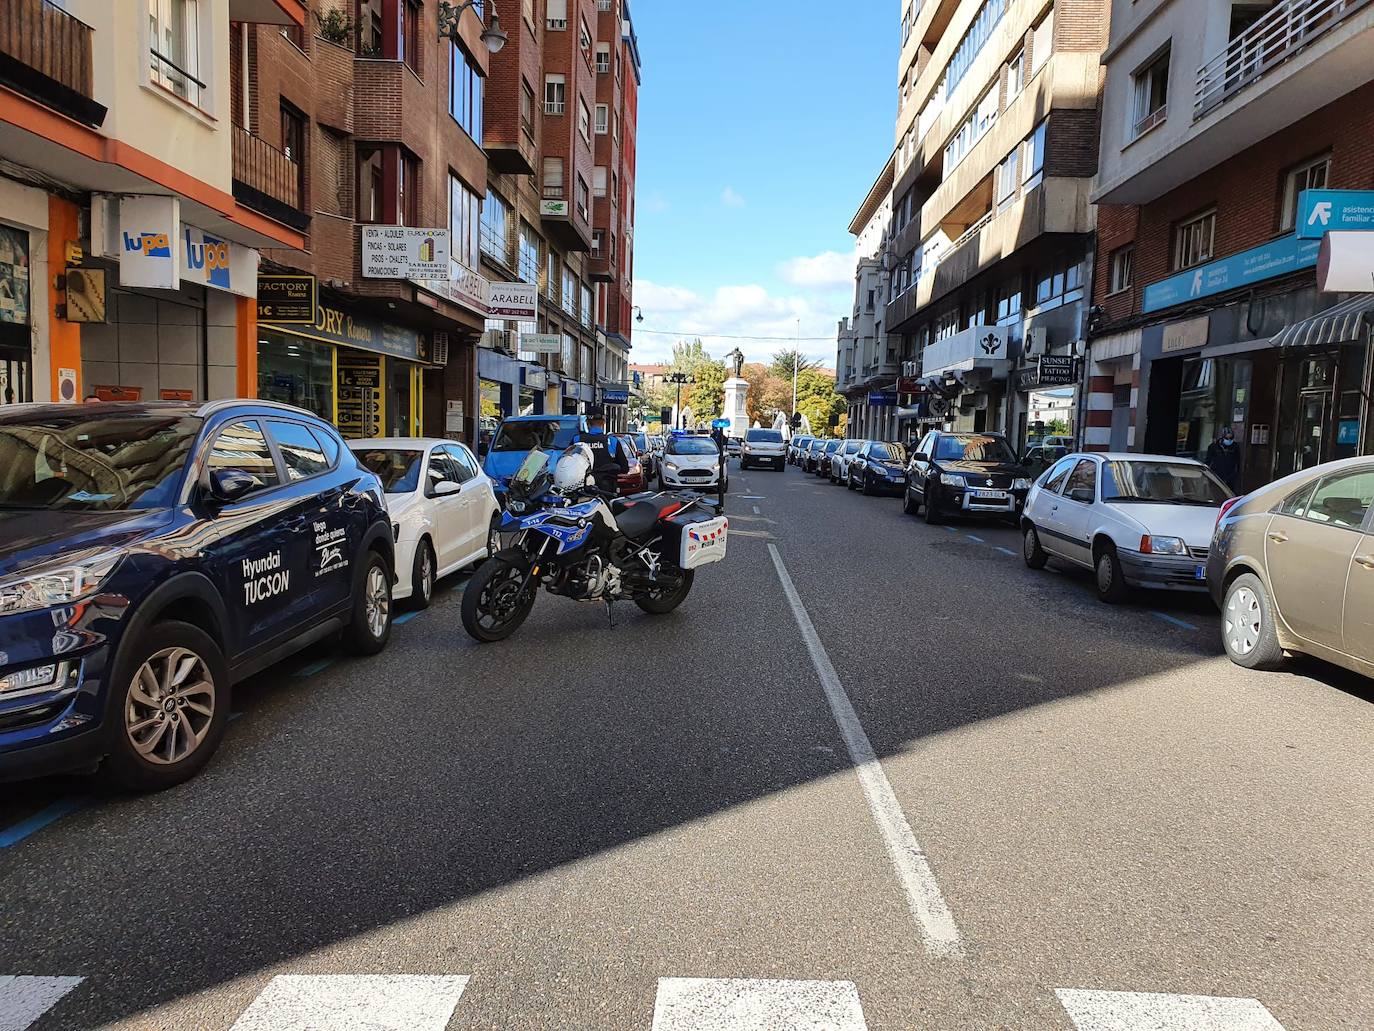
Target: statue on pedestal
<point x="737" y="358"/>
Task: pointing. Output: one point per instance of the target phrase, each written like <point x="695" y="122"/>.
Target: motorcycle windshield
<point x="536" y="463"/>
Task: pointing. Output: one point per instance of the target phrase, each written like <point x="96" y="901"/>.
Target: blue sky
<point x="761" y="127"/>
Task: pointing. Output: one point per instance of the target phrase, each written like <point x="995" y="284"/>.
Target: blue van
<point x="152" y="555"/>
<point x="517" y="436"/>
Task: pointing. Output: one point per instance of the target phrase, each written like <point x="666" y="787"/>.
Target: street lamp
<point x="450" y="14"/>
<point x="679" y="378"/>
<point x="639" y="313"/>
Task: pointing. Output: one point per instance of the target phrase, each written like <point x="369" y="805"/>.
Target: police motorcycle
<point x="581" y="543"/>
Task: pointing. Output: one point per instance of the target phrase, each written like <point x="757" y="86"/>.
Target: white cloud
<point x="731" y="199"/>
<point x="655" y="203"/>
<point x="830" y="270"/>
<point x="746" y="310"/>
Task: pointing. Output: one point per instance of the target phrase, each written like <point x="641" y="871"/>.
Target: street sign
<point x="401" y="252"/>
<point x="883" y="399"/>
<point x="1328" y="211"/>
<point x="288" y="300"/>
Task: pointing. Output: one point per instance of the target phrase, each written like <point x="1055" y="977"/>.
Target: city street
<point x="1068" y="799"/>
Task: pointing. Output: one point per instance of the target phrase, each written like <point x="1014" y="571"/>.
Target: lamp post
<point x="796" y="369"/>
<point x="679" y="378"/>
<point x="451" y="14"/>
<point x="638" y="313"/>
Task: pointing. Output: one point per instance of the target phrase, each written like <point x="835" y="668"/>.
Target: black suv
<point x="151" y="555"/>
<point x="965" y="474"/>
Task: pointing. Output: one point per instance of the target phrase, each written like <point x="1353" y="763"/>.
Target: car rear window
<point x="398" y="469"/>
<point x="528" y="434"/>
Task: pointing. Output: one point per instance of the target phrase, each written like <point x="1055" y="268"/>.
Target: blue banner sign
<point x="883" y="399"/>
<point x="1275" y="258"/>
<point x="1329" y="211"/>
<point x="615" y="397"/>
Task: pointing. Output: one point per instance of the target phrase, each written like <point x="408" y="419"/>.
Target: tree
<point x="707" y="394"/>
<point x="687" y="355"/>
<point x="783" y="364"/>
<point x="818" y="401"/>
<point x="768" y="394"/>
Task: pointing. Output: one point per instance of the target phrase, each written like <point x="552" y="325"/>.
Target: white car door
<point x="450" y="519"/>
<point x="475" y="493"/>
<point x="1042" y="508"/>
<point x="1073" y="514"/>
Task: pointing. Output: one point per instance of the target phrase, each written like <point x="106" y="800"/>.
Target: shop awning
<point x="1344" y="323"/>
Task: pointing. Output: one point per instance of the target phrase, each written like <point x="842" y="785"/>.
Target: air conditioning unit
<point x="1037" y="342"/>
<point x="507" y="340"/>
<point x="438" y="354"/>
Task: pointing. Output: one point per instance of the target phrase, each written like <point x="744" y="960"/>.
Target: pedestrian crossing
<point x="420" y="1002"/>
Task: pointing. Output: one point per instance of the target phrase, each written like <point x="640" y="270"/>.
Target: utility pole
<point x="796" y="370"/>
<point x="679" y="378"/>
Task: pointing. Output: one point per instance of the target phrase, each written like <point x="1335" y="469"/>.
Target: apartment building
<point x="128" y="249"/>
<point x="992" y="231"/>
<point x="1211" y="313"/>
<point x="865" y="368"/>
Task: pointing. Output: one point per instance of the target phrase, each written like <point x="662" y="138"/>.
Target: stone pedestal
<point x="736" y="391"/>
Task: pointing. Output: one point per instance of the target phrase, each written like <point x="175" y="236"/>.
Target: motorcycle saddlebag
<point x="697" y="537"/>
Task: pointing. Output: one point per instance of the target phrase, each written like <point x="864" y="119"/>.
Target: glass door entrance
<point x="1312" y="412"/>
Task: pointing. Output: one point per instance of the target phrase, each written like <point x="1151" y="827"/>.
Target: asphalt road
<point x="925" y="788"/>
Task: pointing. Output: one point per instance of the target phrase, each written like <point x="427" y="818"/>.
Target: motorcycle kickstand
<point x="610" y="617"/>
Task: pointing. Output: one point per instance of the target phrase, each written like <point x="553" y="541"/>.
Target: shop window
<point x="1193" y="240"/>
<point x="296" y="371"/>
<point x="1310" y="175"/>
<point x="300" y="451"/>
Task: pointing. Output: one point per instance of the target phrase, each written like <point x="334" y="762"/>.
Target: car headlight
<point x="1021" y="484"/>
<point x="58" y="585"/>
<point x="952" y="480"/>
<point x="1163" y="546"/>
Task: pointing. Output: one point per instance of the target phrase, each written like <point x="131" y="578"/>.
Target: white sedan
<point x="1135" y="520"/>
<point x="442" y="505"/>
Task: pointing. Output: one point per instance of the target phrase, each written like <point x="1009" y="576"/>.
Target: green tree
<point x="783" y="363"/>
<point x="707" y="394"/>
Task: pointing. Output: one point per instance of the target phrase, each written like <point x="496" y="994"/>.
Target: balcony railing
<point x="266" y="170"/>
<point x="967" y="235"/>
<point x="53" y="50"/>
<point x="1284" y="31"/>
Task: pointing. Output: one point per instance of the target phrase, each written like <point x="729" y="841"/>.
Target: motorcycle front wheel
<point x="496" y="602"/>
<point x="660" y="603"/>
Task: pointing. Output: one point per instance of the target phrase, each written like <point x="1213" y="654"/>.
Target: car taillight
<point x="1226" y="506"/>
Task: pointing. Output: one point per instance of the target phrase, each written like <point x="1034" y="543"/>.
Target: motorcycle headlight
<point x="56" y="585"/>
<point x="1021" y="484"/>
<point x="952" y="480"/>
<point x="1163" y="546"/>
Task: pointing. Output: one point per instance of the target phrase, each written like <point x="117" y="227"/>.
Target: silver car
<point x="1292" y="568"/>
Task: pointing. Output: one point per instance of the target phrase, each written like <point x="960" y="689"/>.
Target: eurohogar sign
<point x="1275" y="258"/>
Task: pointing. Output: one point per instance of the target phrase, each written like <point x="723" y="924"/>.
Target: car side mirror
<point x="1083" y="495"/>
<point x="226" y="486"/>
<point x="446" y="488"/>
<point x="920" y="456"/>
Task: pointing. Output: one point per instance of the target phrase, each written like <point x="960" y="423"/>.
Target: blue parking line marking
<point x="978" y="539"/>
<point x="234" y="715"/>
<point x="1174" y="620"/>
<point x="35" y="823"/>
<point x="318" y="666"/>
<point x="952" y="529"/>
<point x="1007" y="551"/>
<point x="404" y="617"/>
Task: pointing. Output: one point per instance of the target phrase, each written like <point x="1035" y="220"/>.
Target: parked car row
<point x="1291" y="565"/>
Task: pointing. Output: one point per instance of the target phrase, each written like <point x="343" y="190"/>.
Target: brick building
<point x="1216" y="118"/>
<point x="991" y="233"/>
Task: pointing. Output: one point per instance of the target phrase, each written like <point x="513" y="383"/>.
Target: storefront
<point x="16" y="374"/>
<point x="364" y="375"/>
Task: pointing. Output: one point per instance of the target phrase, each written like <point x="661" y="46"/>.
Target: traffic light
<point x="796" y="420"/>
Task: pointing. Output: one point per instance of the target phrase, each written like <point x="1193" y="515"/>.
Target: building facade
<point x="866" y="362"/>
<point x="992" y="231"/>
<point x="1210" y="317"/>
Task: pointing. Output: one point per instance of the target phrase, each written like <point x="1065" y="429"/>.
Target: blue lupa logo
<point x="150" y="245"/>
<point x="210" y="257"/>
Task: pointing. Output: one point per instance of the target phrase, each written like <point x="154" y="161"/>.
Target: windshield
<point x="1169" y="483"/>
<point x="691" y="446"/>
<point x="528" y="434"/>
<point x="641" y="442"/>
<point x="831" y="446"/>
<point x="852" y="446"/>
<point x="887" y="453"/>
<point x="980" y="448"/>
<point x="104" y="464"/>
<point x="536" y="463"/>
<point x="399" y="470"/>
<point x="763" y="437"/>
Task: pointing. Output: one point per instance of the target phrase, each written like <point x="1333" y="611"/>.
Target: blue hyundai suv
<point x="151" y="555"/>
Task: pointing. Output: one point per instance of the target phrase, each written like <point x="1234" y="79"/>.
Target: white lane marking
<point x="923" y="896"/>
<point x="742" y="1004"/>
<point x="978" y="539"/>
<point x="24" y="999"/>
<point x="1006" y="551"/>
<point x="1142" y="1011"/>
<point x="757" y="510"/>
<point x="347" y="1002"/>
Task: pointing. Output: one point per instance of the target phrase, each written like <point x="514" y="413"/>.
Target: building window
<point x="174" y="47"/>
<point x="584" y="120"/>
<point x="586" y="305"/>
<point x="529" y="253"/>
<point x="1016" y="74"/>
<point x="1034" y="167"/>
<point x="1151" y="105"/>
<point x="464" y="222"/>
<point x="1310" y="175"/>
<point x="371" y="208"/>
<point x="1008" y="177"/>
<point x="1193" y="240"/>
<point x="556" y="15"/>
<point x="603" y="58"/>
<point x="1120" y="271"/>
<point x="980" y="119"/>
<point x="293" y="146"/>
<point x="496" y="219"/>
<point x="603" y="116"/>
<point x="555" y="94"/>
<point x="551" y="276"/>
<point x="583" y="199"/>
<point x="599" y="181"/>
<point x="598" y="242"/>
<point x="411" y="36"/>
<point x="569" y="291"/>
<point x="410" y="189"/>
<point x="1042" y="42"/>
<point x="527" y="109"/>
<point x="465" y="92"/>
<point x="553" y="178"/>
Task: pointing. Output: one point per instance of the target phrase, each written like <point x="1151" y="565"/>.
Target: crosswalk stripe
<point x="344" y="1002"/>
<point x="743" y="1004"/>
<point x="1142" y="1011"/>
<point x="24" y="999"/>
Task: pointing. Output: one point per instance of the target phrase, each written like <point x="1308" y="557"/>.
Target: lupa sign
<point x="513" y="301"/>
<point x="148" y="231"/>
<point x="207" y="260"/>
<point x="402" y="252"/>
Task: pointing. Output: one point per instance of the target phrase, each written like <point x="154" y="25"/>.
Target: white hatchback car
<point x="442" y="505"/>
<point x="693" y="462"/>
<point x="1135" y="520"/>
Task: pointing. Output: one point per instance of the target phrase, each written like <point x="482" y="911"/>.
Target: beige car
<point x="1292" y="567"/>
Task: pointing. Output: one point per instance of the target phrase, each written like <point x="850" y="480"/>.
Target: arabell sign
<point x="513" y="301"/>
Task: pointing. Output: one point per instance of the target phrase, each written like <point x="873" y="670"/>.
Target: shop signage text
<point x="540" y="343"/>
<point x="337" y="327"/>
<point x="513" y="301"/>
<point x="209" y="261"/>
<point x="616" y="394"/>
<point x="148" y="228"/>
<point x="1184" y="336"/>
<point x="1266" y="261"/>
<point x="882" y="399"/>
<point x="553" y="209"/>
<point x="537" y="379"/>
<point x="909" y="385"/>
<point x="287" y="300"/>
<point x="402" y="252"/>
<point x="1050" y="370"/>
<point x="462" y="286"/>
<point x="359" y="395"/>
<point x="1329" y="211"/>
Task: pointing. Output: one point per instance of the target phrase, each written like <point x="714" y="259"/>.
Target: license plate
<point x="1201" y="572"/>
<point x="1000" y="495"/>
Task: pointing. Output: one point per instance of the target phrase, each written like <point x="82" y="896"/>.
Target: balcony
<point x="1275" y="39"/>
<point x="45" y="54"/>
<point x="267" y="181"/>
<point x="510" y="156"/>
<point x="601" y="268"/>
<point x="268" y="12"/>
<point x="567" y="228"/>
<point x="979" y="349"/>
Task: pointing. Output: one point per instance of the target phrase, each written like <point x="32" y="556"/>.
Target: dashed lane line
<point x="924" y="898"/>
<point x="337" y="1002"/>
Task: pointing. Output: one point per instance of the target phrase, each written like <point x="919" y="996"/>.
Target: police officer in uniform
<point x="608" y="456"/>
